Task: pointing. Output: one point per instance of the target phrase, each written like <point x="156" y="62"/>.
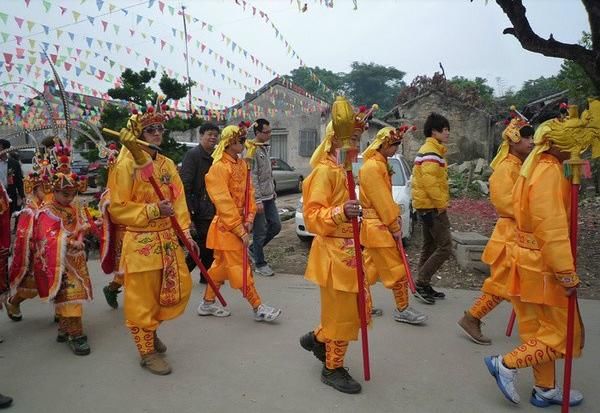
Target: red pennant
<point x="62" y="10"/>
<point x="161" y="6"/>
<point x="19" y="39"/>
<point x="104" y="24"/>
<point x="162" y="44"/>
<point x="53" y="57"/>
<point x="27" y="2"/>
<point x="67" y="66"/>
<point x="8" y="58"/>
<point x="101" y="74"/>
<point x="147" y="61"/>
<point x="19" y="21"/>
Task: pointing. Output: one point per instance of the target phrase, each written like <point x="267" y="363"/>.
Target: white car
<point x="401" y="191"/>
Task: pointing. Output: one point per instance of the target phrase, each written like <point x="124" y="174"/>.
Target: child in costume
<point x="516" y="145"/>
<point x="229" y="232"/>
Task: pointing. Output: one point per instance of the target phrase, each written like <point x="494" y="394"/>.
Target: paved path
<point x="235" y="364"/>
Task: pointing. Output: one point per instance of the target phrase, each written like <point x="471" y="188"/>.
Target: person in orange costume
<point x="381" y="225"/>
<point x="543" y="274"/>
<point x="157" y="281"/>
<point x="60" y="265"/>
<point x="516" y="145"/>
<point x="228" y="234"/>
<point x="22" y="279"/>
<point x="110" y="249"/>
<point x="332" y="261"/>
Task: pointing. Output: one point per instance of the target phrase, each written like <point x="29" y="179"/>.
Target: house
<point x="471" y="129"/>
<point x="297" y="119"/>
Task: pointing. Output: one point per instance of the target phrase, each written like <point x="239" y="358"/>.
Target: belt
<point x="369" y="213"/>
<point x="527" y="240"/>
<point x="159" y="224"/>
<point x="342" y="231"/>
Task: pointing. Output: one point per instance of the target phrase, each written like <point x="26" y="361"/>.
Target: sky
<point x="235" y="46"/>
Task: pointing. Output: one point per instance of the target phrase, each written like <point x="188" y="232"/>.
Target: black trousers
<point x="206" y="255"/>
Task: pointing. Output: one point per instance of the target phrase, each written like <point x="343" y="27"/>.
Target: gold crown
<point x="512" y="131"/>
<point x="62" y="176"/>
<point x="153" y="115"/>
<point x="40" y="175"/>
<point x="396" y="135"/>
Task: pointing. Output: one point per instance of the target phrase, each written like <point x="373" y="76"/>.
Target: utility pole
<point x="187" y="68"/>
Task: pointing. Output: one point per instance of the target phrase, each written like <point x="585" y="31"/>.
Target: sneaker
<point x="13" y="311"/>
<point x="265" y="271"/>
<point x="505" y="377"/>
<point x="207" y="308"/>
<point x="310" y="343"/>
<point x="438" y="295"/>
<point x="266" y="313"/>
<point x="111" y="297"/>
<point x="155" y="364"/>
<point x="409" y="315"/>
<point x="5" y="401"/>
<point x="472" y="328"/>
<point x="340" y="380"/>
<point x="422" y="294"/>
<point x="545" y="398"/>
<point x="79" y="345"/>
<point x="376" y="312"/>
<point x="159" y="346"/>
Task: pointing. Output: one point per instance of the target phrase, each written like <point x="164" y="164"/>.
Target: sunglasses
<point x="152" y="129"/>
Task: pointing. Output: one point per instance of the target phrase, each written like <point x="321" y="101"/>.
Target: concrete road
<point x="235" y="364"/>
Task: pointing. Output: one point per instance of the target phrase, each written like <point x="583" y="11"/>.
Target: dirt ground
<point x="287" y="254"/>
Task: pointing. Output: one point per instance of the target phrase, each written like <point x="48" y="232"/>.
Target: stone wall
<point x="471" y="134"/>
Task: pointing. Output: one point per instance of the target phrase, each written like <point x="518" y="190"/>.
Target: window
<point x="308" y="142"/>
<point x="279" y="144"/>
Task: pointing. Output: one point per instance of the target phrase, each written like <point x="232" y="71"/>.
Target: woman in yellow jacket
<point x="381" y="225"/>
<point x="516" y="145"/>
<point x="430" y="199"/>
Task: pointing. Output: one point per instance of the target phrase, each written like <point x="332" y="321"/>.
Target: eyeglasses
<point x="152" y="129"/>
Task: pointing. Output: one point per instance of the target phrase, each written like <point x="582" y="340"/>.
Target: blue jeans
<point x="266" y="226"/>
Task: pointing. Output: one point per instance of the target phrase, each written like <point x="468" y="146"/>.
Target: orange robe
<point x="226" y="185"/>
<point x="498" y="251"/>
<point x="543" y="264"/>
<point x="331" y="261"/>
<point x="157" y="281"/>
<point x="380" y="220"/>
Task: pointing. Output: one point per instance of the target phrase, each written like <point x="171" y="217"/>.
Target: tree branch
<point x="522" y="30"/>
<point x="593" y="9"/>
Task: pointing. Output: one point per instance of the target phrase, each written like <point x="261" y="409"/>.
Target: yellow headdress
<point x="510" y="134"/>
<point x="572" y="134"/>
<point x="153" y="115"/>
<point x="386" y="136"/>
<point x="229" y="135"/>
<point x="40" y="175"/>
<point x="62" y="176"/>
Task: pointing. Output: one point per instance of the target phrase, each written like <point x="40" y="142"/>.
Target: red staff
<point x="177" y="227"/>
<point x="92" y="223"/>
<point x="409" y="277"/>
<point x="244" y="125"/>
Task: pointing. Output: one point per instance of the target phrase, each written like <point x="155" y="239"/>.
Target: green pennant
<point x="32" y="43"/>
<point x="30" y="25"/>
<point x="3" y="16"/>
<point x="116" y="28"/>
<point x="58" y="33"/>
<point x="5" y="36"/>
<point x="70" y="50"/>
<point x="47" y="5"/>
<point x="118" y="47"/>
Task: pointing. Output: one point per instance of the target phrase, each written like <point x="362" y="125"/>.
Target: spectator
<point x="266" y="223"/>
<point x="195" y="165"/>
<point x="11" y="176"/>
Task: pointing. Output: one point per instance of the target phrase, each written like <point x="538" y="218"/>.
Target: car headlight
<point x="299" y="206"/>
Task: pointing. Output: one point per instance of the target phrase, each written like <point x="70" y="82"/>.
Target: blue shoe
<point x="505" y="377"/>
<point x="545" y="398"/>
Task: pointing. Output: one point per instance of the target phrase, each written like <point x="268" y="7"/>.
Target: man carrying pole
<point x="333" y="262"/>
<point x="516" y="145"/>
<point x="543" y="279"/>
<point x="381" y="228"/>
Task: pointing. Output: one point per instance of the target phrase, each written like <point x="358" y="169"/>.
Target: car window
<point x="279" y="165"/>
<point x="407" y="169"/>
<point x="398" y="177"/>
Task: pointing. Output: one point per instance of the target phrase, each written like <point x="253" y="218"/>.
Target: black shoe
<point x="111" y="296"/>
<point x="435" y="294"/>
<point x="5" y="401"/>
<point x="340" y="380"/>
<point x="423" y="294"/>
<point x="62" y="337"/>
<point x="79" y="345"/>
<point x="310" y="343"/>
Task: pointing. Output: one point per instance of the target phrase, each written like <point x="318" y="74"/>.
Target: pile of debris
<point x="469" y="178"/>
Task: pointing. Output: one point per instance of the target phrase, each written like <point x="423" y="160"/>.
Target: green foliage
<point x="317" y="81"/>
<point x="478" y="87"/>
<point x="172" y="88"/>
<point x="534" y="89"/>
<point x="573" y="77"/>
<point x="181" y="124"/>
<point x="135" y="87"/>
<point x="114" y="117"/>
<point x="369" y="83"/>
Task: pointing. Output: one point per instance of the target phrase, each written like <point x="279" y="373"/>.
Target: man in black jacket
<point x="195" y="165"/>
<point x="11" y="176"/>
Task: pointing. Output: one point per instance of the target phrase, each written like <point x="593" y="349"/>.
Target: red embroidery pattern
<point x="531" y="353"/>
<point x="335" y="351"/>
<point x="400" y="291"/>
<point x="484" y="305"/>
<point x="144" y="340"/>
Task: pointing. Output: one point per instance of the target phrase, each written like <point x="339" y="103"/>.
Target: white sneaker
<point x="265" y="271"/>
<point x="505" y="377"/>
<point x="409" y="315"/>
<point x="266" y="313"/>
<point x="545" y="398"/>
<point x="207" y="308"/>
